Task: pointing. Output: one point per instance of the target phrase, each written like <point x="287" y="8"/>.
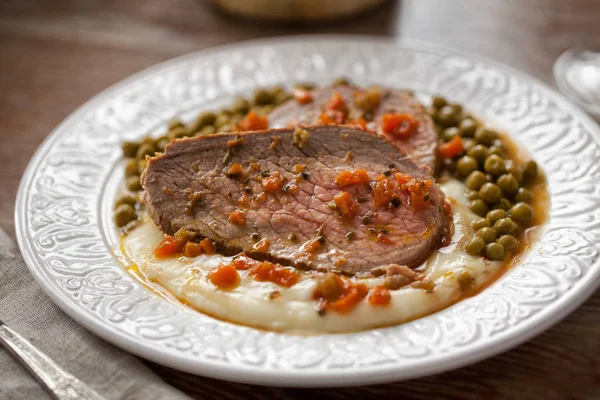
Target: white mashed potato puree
<point x="450" y="269"/>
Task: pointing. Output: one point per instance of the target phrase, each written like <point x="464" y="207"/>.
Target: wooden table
<point x="55" y="55"/>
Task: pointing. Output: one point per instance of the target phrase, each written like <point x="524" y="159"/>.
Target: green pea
<point x="524" y="195"/>
<point x="449" y="133"/>
<point x="267" y="109"/>
<point x="474" y="246"/>
<point x="502" y="204"/>
<point x="478" y="206"/>
<point x="133" y="183"/>
<point x="487" y="234"/>
<point x="481" y="223"/>
<point x="490" y="192"/>
<point x="485" y="136"/>
<point x="476" y="180"/>
<point x="161" y="143"/>
<point x="515" y="171"/>
<point x="241" y="105"/>
<point x="342" y="81"/>
<point x="131" y="167"/>
<point x="521" y="212"/>
<point x="179" y="133"/>
<point x="174" y="124"/>
<point x="262" y="97"/>
<point x="504" y="226"/>
<point x="447" y="117"/>
<point x="126" y="199"/>
<point x="508" y="242"/>
<point x="129" y="148"/>
<point x="124" y="214"/>
<point x="472" y="195"/>
<point x="145" y="150"/>
<point x="142" y="166"/>
<point x="207" y="130"/>
<point x="235" y="119"/>
<point x="494" y="165"/>
<point x="497" y="150"/>
<point x="204" y="119"/>
<point x="479" y="152"/>
<point x="465" y="165"/>
<point x="282" y="98"/>
<point x="275" y="90"/>
<point x="530" y="171"/>
<point x="468" y="144"/>
<point x="222" y="120"/>
<point x="438" y="102"/>
<point x="494" y="251"/>
<point x="467" y="127"/>
<point x="495" y="215"/>
<point x="508" y="183"/>
<point x="304" y="85"/>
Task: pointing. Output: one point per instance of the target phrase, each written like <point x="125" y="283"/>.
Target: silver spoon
<point x="60" y="384"/>
<point x="577" y="75"/>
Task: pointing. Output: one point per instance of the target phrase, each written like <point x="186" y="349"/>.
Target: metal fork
<point x="60" y="384"/>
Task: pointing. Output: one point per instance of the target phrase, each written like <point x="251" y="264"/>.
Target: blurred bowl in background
<point x="296" y="10"/>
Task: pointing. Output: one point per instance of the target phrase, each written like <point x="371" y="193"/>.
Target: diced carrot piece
<point x="347" y="205"/>
<point x="272" y="183"/>
<point x="262" y="245"/>
<point x="383" y="192"/>
<point x="358" y="123"/>
<point x="379" y="296"/>
<point x="237" y="217"/>
<point x="298" y="168"/>
<point x="168" y="247"/>
<point x="235" y="170"/>
<point x="207" y="246"/>
<point x="451" y="149"/>
<point x="346" y="178"/>
<point x="355" y="294"/>
<point x="253" y="122"/>
<point x="268" y="272"/>
<point x="224" y="276"/>
<point x="243" y="262"/>
<point x="192" y="249"/>
<point x="401" y="125"/>
<point x="337" y="103"/>
<point x="330" y="117"/>
<point x="402" y="178"/>
<point x="418" y="192"/>
<point x="302" y="96"/>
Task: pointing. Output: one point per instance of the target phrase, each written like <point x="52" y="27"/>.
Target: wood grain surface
<point x="56" y="54"/>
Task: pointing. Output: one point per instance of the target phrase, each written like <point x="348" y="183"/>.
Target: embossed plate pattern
<point x="64" y="228"/>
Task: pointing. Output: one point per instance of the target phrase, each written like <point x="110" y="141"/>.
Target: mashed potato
<point x="453" y="272"/>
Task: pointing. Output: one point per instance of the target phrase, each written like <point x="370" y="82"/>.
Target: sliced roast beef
<point x="363" y="103"/>
<point x="323" y="197"/>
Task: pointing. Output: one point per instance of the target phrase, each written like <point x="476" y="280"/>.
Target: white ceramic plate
<point x="64" y="207"/>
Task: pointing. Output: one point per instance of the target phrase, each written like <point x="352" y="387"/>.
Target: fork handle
<point x="59" y="383"/>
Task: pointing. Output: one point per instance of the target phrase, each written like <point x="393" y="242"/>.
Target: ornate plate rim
<point x="511" y="337"/>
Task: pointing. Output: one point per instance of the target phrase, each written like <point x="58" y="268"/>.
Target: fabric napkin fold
<point x="113" y="373"/>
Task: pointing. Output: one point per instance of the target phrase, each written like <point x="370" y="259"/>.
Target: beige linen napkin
<point x="110" y="371"/>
